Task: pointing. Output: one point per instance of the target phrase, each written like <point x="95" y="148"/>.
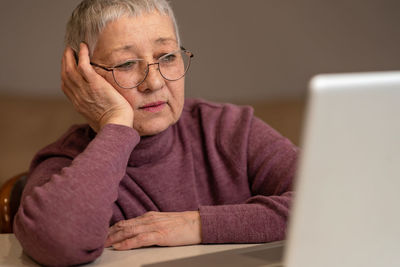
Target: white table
<point x="11" y="254"/>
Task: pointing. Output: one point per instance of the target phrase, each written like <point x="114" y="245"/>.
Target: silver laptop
<point x="347" y="206"/>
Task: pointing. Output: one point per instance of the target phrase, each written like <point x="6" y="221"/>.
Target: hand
<point x="156" y="228"/>
<point x="91" y="95"/>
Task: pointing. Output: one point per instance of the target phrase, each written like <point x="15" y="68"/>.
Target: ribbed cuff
<point x="243" y="223"/>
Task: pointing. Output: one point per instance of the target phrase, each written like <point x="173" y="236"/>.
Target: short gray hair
<point x="90" y="17"/>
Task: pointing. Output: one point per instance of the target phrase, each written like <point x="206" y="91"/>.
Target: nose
<point x="154" y="81"/>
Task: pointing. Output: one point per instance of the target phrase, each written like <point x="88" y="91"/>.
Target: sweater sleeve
<point x="67" y="203"/>
<point x="271" y="164"/>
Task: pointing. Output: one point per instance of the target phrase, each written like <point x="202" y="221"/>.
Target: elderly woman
<point x="149" y="168"/>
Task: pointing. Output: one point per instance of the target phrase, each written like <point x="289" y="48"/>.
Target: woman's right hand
<point x="92" y="95"/>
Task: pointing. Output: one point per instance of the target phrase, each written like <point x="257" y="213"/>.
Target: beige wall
<point x="243" y="50"/>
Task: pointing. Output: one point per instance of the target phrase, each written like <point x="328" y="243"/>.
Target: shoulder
<point x="75" y="140"/>
<point x="214" y="114"/>
<point x="69" y="145"/>
<point x="194" y="104"/>
<point x="232" y="127"/>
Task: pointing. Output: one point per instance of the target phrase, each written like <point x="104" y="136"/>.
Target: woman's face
<point x="157" y="103"/>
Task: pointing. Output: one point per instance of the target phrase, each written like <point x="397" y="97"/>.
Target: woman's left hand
<point x="156" y="228"/>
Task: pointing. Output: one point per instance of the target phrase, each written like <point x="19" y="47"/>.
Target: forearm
<point x="65" y="220"/>
<point x="269" y="167"/>
<point x="260" y="219"/>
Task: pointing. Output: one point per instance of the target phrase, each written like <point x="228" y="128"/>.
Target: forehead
<point x="137" y="34"/>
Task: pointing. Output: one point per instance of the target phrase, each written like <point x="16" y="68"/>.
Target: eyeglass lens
<point x="172" y="67"/>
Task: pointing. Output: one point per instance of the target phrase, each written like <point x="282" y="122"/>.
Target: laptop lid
<point x="346" y="210"/>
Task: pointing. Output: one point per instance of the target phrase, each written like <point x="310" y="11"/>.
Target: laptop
<point x="346" y="211"/>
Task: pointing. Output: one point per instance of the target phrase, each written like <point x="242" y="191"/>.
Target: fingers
<point x="143" y="219"/>
<point x="142" y="240"/>
<point x="77" y="71"/>
<point x="130" y="228"/>
<point x="137" y="234"/>
<point x="69" y="66"/>
<point x="84" y="67"/>
<point x="156" y="228"/>
<point x="69" y="75"/>
<point x="118" y="233"/>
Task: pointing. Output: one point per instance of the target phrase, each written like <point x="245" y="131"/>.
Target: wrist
<point x="119" y="121"/>
<point x="194" y="217"/>
<point x="124" y="119"/>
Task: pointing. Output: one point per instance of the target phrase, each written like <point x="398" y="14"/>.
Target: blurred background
<point x="257" y="52"/>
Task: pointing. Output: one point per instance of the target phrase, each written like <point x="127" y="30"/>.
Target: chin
<point x="153" y="127"/>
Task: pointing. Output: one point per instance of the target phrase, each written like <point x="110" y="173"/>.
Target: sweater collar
<point x="152" y="148"/>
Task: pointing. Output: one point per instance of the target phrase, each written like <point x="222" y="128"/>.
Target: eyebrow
<point x="122" y="48"/>
<point x="163" y="40"/>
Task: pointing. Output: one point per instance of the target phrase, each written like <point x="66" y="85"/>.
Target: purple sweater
<point x="218" y="159"/>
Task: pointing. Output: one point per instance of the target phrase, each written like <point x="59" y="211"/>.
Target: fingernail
<point x="117" y="245"/>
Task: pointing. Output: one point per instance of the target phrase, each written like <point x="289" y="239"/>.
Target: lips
<point x="154" y="107"/>
<point x="154" y="104"/>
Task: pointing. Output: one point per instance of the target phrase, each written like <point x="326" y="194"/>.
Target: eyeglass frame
<point x="182" y="49"/>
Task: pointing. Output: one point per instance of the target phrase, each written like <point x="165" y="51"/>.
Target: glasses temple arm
<point x="102" y="67"/>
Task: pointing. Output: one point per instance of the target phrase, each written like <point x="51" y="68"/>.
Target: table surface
<point x="11" y="254"/>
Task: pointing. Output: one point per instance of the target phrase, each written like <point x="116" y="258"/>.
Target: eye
<point x="129" y="65"/>
<point x="168" y="58"/>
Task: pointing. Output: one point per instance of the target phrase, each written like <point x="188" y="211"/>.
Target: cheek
<point x="177" y="90"/>
<point x="178" y="98"/>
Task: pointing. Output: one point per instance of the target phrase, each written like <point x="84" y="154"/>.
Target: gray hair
<point x="90" y="17"/>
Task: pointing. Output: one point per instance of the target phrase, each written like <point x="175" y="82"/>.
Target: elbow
<point x="55" y="247"/>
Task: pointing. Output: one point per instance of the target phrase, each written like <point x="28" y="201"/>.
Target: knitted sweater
<point x="218" y="159"/>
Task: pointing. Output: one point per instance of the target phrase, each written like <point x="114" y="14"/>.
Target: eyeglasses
<point x="132" y="73"/>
